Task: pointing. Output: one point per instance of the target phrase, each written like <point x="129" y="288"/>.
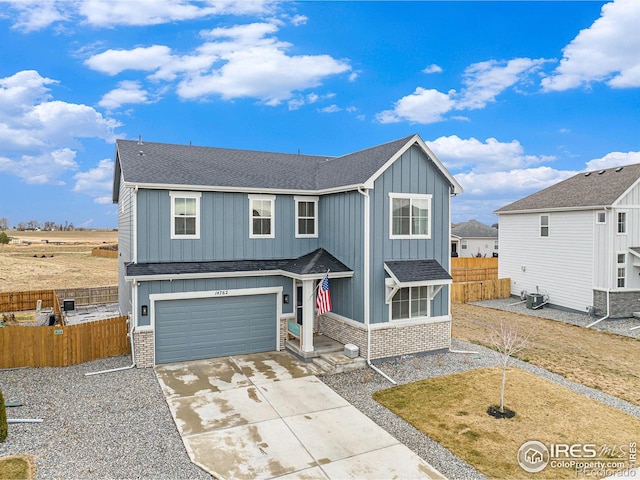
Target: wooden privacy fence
<point x="474" y="269"/>
<point x="478" y="291"/>
<point x="90" y="296"/>
<point x="63" y="346"/>
<point x="21" y="301"/>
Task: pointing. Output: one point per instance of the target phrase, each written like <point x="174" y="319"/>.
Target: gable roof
<point x="474" y="229"/>
<point x="598" y="188"/>
<point x="162" y="165"/>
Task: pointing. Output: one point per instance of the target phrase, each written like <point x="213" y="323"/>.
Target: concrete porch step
<point x="337" y="362"/>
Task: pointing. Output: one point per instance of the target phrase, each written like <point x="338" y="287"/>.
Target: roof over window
<point x="313" y="265"/>
<point x="408" y="273"/>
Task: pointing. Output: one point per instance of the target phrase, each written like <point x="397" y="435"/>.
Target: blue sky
<point x="511" y="96"/>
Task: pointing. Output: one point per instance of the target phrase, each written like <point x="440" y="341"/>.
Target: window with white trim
<point x="622" y="270"/>
<point x="622" y="222"/>
<point x="495" y="244"/>
<point x="601" y="217"/>
<point x="185" y="215"/>
<point x="306" y="217"/>
<point x="410" y="216"/>
<point x="463" y="244"/>
<point x="410" y="302"/>
<point x="262" y="216"/>
<point x="544" y="225"/>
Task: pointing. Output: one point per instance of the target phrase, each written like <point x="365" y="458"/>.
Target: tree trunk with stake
<point x="507" y="342"/>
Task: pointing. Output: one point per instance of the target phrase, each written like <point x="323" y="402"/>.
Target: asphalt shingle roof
<point x="314" y="263"/>
<point x="474" y="229"/>
<point x="407" y="271"/>
<point x="168" y="164"/>
<point x="589" y="189"/>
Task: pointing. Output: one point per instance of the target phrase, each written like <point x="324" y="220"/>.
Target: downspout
<point x="367" y="257"/>
<point x="133" y="358"/>
<point x="612" y="226"/>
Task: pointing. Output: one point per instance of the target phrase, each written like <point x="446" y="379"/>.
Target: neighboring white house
<point x="474" y="239"/>
<point x="577" y="241"/>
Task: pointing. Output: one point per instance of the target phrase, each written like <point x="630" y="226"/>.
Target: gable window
<point x="410" y="216"/>
<point x="601" y="217"/>
<point x="622" y="270"/>
<point x="622" y="222"/>
<point x="544" y="225"/>
<point x="306" y="217"/>
<point x="261" y="216"/>
<point x="410" y="302"/>
<point x="185" y="215"/>
<point x="463" y="244"/>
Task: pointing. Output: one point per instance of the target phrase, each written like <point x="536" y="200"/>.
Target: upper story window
<point x="306" y="217"/>
<point x="601" y="217"/>
<point x="495" y="244"/>
<point x="622" y="222"/>
<point x="262" y="216"/>
<point x="185" y="215"/>
<point x="410" y="216"/>
<point x="544" y="225"/>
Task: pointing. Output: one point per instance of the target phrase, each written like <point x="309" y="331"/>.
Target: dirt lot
<point x="46" y="260"/>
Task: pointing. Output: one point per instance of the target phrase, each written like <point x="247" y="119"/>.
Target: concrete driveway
<point x="267" y="415"/>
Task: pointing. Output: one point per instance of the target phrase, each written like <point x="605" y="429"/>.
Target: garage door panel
<point x="195" y="328"/>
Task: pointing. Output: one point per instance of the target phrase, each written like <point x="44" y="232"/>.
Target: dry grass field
<point x="593" y="358"/>
<point x="56" y="260"/>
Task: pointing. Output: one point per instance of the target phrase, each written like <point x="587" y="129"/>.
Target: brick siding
<point x="621" y="304"/>
<point x="143" y="346"/>
<point x="392" y="340"/>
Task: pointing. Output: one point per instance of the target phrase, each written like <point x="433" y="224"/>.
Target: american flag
<point x="323" y="300"/>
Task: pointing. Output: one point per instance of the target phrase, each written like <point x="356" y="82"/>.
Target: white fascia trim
<point x="256" y="273"/>
<point x="457" y="188"/>
<point x="213" y="188"/>
<point x="556" y="209"/>
<point x="626" y="192"/>
<point x="633" y="252"/>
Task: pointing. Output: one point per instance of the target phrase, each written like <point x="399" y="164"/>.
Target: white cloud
<point x="330" y="109"/>
<point x="484" y="81"/>
<point x="491" y="155"/>
<point x="147" y="59"/>
<point x="608" y="51"/>
<point x="422" y="106"/>
<point x="298" y="20"/>
<point x="38" y="133"/>
<point x="515" y="183"/>
<point x="39" y="14"/>
<point x="40" y="169"/>
<point x="614" y="159"/>
<point x="244" y="61"/>
<point x="433" y="68"/>
<point x="126" y="93"/>
<point x="35" y="15"/>
<point x="96" y="182"/>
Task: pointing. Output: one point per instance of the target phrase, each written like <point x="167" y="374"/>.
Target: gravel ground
<point x="114" y="425"/>
<point x="621" y="326"/>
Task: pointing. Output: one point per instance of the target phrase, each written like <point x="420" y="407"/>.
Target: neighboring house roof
<point x="474" y="229"/>
<point x="408" y="271"/>
<point x="598" y="188"/>
<point x="314" y="264"/>
<point x="161" y="165"/>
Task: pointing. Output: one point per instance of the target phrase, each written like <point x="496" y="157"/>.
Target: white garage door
<point x="195" y="328"/>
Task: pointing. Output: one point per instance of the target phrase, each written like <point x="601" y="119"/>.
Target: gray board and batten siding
<point x="415" y="173"/>
<point x="125" y="247"/>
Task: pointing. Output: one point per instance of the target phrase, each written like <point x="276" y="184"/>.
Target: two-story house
<point x="577" y="241"/>
<point x="474" y="239"/>
<point x="220" y="248"/>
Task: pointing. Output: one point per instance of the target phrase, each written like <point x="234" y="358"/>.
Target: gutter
<point x="367" y="257"/>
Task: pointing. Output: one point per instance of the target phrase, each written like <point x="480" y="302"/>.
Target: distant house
<point x="221" y="250"/>
<point x="578" y="241"/>
<point x="474" y="239"/>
